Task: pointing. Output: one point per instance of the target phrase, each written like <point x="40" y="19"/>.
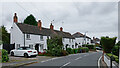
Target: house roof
<point x="78" y="35"/>
<point x="30" y="29"/>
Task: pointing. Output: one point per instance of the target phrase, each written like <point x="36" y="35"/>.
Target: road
<point x="82" y="60"/>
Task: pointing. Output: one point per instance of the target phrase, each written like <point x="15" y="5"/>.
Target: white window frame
<point x="41" y="37"/>
<point x="27" y="36"/>
<point x="18" y="46"/>
<point x="31" y="46"/>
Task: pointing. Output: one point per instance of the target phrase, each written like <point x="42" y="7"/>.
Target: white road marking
<point x="99" y="62"/>
<point x="78" y="58"/>
<point x="50" y="59"/>
<point x="65" y="64"/>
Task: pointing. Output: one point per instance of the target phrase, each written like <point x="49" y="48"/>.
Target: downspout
<point x="24" y="39"/>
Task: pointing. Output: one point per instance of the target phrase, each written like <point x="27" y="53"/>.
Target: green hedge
<point x="116" y="57"/>
<point x="83" y="49"/>
<point x="89" y="46"/>
<point x="5" y="57"/>
<point x="75" y="51"/>
<point x="64" y="53"/>
<point x="70" y="51"/>
<point x="115" y="50"/>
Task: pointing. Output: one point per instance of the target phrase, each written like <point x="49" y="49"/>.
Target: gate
<point x="8" y="47"/>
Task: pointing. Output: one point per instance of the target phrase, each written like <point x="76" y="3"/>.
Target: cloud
<point x="98" y="18"/>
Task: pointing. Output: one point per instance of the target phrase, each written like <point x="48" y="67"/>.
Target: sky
<point x="96" y="18"/>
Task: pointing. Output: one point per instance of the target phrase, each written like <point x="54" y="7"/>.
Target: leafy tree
<point x="55" y="46"/>
<point x="30" y="20"/>
<point x="108" y="43"/>
<point x="4" y="36"/>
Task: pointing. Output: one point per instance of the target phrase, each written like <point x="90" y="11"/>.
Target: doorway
<point x="37" y="47"/>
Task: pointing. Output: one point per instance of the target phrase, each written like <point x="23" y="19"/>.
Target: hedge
<point x="83" y="49"/>
<point x="70" y="51"/>
<point x="115" y="50"/>
<point x="5" y="57"/>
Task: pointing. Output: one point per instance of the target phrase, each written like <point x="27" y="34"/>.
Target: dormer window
<point x="28" y="36"/>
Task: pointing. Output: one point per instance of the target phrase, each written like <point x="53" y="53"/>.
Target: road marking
<point x="99" y="62"/>
<point x="65" y="64"/>
<point x="50" y="59"/>
<point x="85" y="55"/>
<point x="78" y="58"/>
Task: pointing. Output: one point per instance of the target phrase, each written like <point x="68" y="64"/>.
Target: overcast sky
<point x="98" y="18"/>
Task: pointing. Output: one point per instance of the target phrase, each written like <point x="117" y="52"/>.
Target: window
<point x="88" y="39"/>
<point x="41" y="38"/>
<point x="72" y="40"/>
<point x="18" y="45"/>
<point x="28" y="36"/>
<point x="69" y="40"/>
<point x="31" y="46"/>
<point x="63" y="39"/>
<point x="72" y="46"/>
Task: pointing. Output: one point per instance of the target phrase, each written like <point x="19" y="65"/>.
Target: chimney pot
<point x="51" y="26"/>
<point x="15" y="18"/>
<point x="61" y="29"/>
<point x="40" y="24"/>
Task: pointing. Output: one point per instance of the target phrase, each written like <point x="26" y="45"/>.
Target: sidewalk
<point x="103" y="64"/>
<point x="20" y="61"/>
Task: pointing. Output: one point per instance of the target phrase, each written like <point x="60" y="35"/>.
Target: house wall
<point x="16" y="36"/>
<point x="35" y="39"/>
<point x="70" y="42"/>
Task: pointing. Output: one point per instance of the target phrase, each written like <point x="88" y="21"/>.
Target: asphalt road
<point x="82" y="60"/>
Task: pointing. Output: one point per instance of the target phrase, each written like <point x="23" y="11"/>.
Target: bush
<point x="83" y="49"/>
<point x="5" y="57"/>
<point x="89" y="46"/>
<point x="64" y="53"/>
<point x="70" y="51"/>
<point x="115" y="50"/>
<point x="43" y="54"/>
<point x="75" y="51"/>
<point x="116" y="57"/>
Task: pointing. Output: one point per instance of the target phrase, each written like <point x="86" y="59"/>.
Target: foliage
<point x="115" y="50"/>
<point x="64" y="53"/>
<point x="30" y="20"/>
<point x="43" y="54"/>
<point x="4" y="36"/>
<point x="75" y="51"/>
<point x="5" y="57"/>
<point x="83" y="49"/>
<point x="116" y="57"/>
<point x="89" y="46"/>
<point x="108" y="43"/>
<point x="55" y="46"/>
<point x="70" y="51"/>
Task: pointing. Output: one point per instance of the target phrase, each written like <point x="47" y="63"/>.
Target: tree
<point x="55" y="46"/>
<point x="4" y="36"/>
<point x="108" y="43"/>
<point x="30" y="20"/>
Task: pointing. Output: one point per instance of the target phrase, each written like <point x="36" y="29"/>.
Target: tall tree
<point x="30" y="20"/>
<point x="4" y="36"/>
<point x="108" y="43"/>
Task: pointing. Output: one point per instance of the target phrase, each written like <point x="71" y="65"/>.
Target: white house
<point x="36" y="36"/>
<point x="81" y="39"/>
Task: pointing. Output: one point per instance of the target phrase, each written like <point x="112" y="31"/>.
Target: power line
<point x="22" y="7"/>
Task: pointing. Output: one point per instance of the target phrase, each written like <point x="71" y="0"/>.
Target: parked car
<point x="24" y="51"/>
<point x="98" y="48"/>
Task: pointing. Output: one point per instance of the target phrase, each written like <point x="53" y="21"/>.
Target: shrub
<point x="115" y="50"/>
<point x="5" y="57"/>
<point x="64" y="53"/>
<point x="75" y="51"/>
<point x="43" y="54"/>
<point x="116" y="57"/>
<point x="83" y="49"/>
<point x="70" y="51"/>
<point x="89" y="46"/>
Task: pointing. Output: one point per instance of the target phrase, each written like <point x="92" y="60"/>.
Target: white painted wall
<point x="16" y="36"/>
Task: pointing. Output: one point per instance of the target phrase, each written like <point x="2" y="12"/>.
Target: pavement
<point x="81" y="60"/>
<point x="20" y="61"/>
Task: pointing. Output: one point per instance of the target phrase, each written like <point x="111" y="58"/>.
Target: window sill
<point x="28" y="39"/>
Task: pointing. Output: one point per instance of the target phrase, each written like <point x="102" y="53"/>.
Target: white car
<point x="24" y="51"/>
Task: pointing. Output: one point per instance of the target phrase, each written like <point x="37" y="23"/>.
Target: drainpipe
<point x="24" y="39"/>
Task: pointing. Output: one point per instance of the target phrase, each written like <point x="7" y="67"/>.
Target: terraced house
<point x="36" y="36"/>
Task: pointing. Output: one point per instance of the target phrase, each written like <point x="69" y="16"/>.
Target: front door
<point x="37" y="47"/>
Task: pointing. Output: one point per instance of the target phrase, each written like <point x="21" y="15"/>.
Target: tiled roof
<point x="30" y="29"/>
<point x="78" y="34"/>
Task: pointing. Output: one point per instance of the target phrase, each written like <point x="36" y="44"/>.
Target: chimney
<point x="61" y="29"/>
<point x="51" y="26"/>
<point x="40" y="24"/>
<point x="15" y="18"/>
